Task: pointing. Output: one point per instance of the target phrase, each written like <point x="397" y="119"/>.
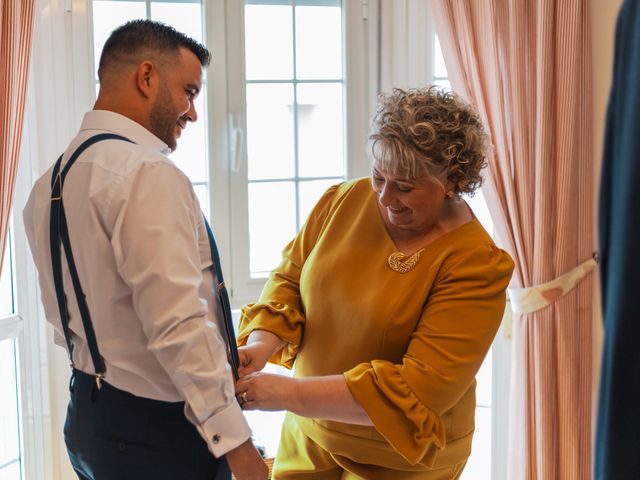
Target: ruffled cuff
<point x="279" y="319"/>
<point x="397" y="413"/>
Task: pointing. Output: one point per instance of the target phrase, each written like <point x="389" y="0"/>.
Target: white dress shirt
<point x="144" y="262"/>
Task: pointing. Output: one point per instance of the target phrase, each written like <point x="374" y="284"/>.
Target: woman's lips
<point x="397" y="210"/>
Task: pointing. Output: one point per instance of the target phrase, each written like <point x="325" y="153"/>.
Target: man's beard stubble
<point x="163" y="117"/>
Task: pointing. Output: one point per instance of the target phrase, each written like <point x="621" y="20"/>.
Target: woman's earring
<point x="450" y="194"/>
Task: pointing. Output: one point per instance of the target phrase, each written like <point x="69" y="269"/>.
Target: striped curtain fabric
<point x="16" y="25"/>
<point x="526" y="66"/>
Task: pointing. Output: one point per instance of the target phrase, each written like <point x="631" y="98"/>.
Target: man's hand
<point x="246" y="463"/>
<point x="253" y="358"/>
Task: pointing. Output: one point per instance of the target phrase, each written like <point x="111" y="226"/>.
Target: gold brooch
<point x="398" y="262"/>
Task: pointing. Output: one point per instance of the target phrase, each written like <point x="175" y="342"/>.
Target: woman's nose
<point x="385" y="195"/>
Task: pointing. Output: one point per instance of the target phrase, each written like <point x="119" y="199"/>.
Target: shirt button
<point x="216" y="438"/>
<point x="122" y="447"/>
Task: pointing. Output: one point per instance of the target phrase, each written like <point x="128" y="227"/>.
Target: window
<point x="440" y="76"/>
<point x="294" y="116"/>
<point x="285" y="134"/>
<point x="10" y="439"/>
<point x="185" y="16"/>
<point x="287" y="102"/>
<point x="6" y="280"/>
<point x="25" y="413"/>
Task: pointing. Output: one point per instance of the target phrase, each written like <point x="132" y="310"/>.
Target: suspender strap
<point x="59" y="233"/>
<point x="223" y="296"/>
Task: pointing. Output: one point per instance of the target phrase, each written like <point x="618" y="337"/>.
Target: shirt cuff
<point x="225" y="430"/>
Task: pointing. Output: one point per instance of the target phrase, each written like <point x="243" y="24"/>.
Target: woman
<point x="386" y="302"/>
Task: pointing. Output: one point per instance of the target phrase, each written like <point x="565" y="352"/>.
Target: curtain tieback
<point x="530" y="299"/>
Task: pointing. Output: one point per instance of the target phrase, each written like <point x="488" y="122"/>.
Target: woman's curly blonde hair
<point x="429" y="131"/>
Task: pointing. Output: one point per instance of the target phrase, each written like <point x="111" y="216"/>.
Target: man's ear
<point x="147" y="78"/>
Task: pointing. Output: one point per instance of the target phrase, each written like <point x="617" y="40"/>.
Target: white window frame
<point x="229" y="186"/>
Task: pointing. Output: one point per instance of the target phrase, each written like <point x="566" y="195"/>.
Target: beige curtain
<point x="526" y="65"/>
<point x="404" y="45"/>
<point x="16" y="24"/>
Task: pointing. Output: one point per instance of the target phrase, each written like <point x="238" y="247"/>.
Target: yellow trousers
<point x="299" y="457"/>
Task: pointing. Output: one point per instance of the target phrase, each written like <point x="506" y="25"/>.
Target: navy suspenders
<point x="223" y="297"/>
<point x="59" y="233"/>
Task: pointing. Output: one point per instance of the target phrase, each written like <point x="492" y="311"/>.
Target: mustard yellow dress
<point x="409" y="344"/>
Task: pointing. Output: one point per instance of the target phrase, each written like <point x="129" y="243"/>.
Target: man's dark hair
<point x="138" y="36"/>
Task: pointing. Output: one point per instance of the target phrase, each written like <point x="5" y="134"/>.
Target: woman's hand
<point x="324" y="398"/>
<point x="267" y="391"/>
<point x="261" y="345"/>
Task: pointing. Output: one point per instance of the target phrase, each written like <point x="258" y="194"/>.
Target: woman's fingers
<point x="264" y="391"/>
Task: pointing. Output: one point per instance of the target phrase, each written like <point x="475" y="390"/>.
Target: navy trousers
<point x="113" y="435"/>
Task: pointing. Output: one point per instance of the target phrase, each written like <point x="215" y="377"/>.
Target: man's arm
<point x="155" y="242"/>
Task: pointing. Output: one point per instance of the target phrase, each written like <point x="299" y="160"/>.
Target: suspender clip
<point x="99" y="377"/>
<point x="57" y="181"/>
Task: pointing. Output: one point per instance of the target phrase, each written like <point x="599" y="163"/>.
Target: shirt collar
<point x="113" y="122"/>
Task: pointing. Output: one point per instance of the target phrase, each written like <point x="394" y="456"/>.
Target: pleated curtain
<point x="526" y="66"/>
<point x="16" y="25"/>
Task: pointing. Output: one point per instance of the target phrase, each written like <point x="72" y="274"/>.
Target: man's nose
<point x="192" y="115"/>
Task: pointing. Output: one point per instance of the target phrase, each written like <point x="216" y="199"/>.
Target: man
<point x="134" y="296"/>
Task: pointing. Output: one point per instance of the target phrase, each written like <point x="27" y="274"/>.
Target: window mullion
<point x="10" y="327"/>
<point x="295" y="118"/>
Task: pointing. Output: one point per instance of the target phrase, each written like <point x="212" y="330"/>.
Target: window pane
<point x="318" y="42"/>
<point x="443" y="83"/>
<point x="9" y="414"/>
<point x="268" y="42"/>
<point x="107" y="15"/>
<point x="184" y="17"/>
<point x="480" y="210"/>
<point x="320" y="130"/>
<point x="272" y="223"/>
<point x="6" y="281"/>
<point x="483" y="378"/>
<point x="310" y="193"/>
<point x="270" y="131"/>
<point x="202" y="192"/>
<point x="190" y="154"/>
<point x="439" y="68"/>
<point x="11" y="472"/>
<point x="479" y="463"/>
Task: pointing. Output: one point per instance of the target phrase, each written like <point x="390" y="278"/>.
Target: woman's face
<point x="409" y="205"/>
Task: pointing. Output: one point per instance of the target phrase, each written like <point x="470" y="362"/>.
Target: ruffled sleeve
<point x="279" y="309"/>
<point x="460" y="319"/>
